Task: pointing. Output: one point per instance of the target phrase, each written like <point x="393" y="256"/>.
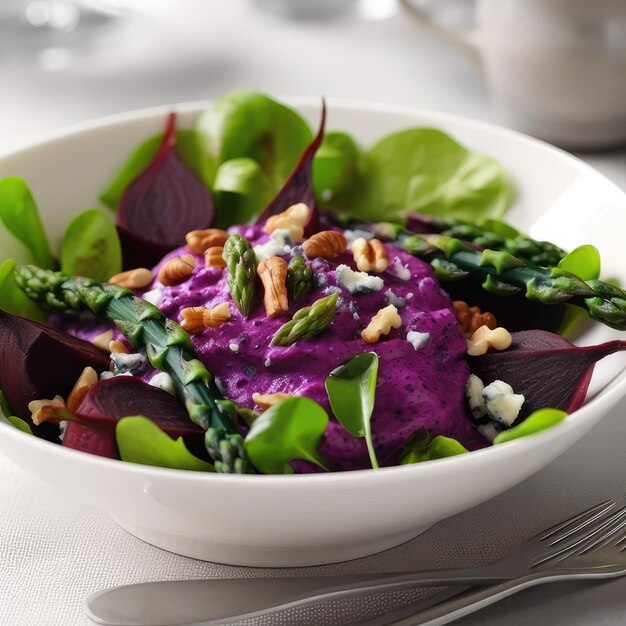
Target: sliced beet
<point x="162" y="205"/>
<point x="546" y="369"/>
<point x="108" y="401"/>
<point x="299" y="185"/>
<point x="38" y="361"/>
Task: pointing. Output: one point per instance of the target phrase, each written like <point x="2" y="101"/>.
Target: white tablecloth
<point x="54" y="551"/>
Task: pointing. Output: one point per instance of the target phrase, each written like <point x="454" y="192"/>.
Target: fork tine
<point x="596" y="531"/>
<point x="587" y="516"/>
<point x="608" y="538"/>
<point x="583" y="524"/>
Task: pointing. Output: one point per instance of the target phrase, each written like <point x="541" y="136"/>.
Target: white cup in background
<point x="555" y="68"/>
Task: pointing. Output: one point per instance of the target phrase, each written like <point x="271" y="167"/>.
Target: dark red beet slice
<point x="299" y="185"/>
<point x="38" y="361"/>
<point x="547" y="369"/>
<point x="108" y="401"/>
<point x="161" y="206"/>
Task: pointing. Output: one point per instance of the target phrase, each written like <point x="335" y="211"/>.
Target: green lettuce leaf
<point x="351" y="391"/>
<point x="534" y="423"/>
<point x="13" y="299"/>
<point x="250" y="124"/>
<point x="141" y="441"/>
<point x="7" y="417"/>
<point x="289" y="430"/>
<point x="20" y="216"/>
<point x="91" y="247"/>
<point x="425" y="170"/>
<point x="423" y="448"/>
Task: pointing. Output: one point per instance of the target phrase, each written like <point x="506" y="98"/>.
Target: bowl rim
<point x="601" y="403"/>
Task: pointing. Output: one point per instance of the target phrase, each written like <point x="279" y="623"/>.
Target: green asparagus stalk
<point x="243" y="281"/>
<point x="167" y="347"/>
<point x="503" y="273"/>
<point x="307" y="322"/>
<point x="299" y="277"/>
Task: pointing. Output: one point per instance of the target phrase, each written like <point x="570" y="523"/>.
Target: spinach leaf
<point x="423" y="448"/>
<point x="351" y="391"/>
<point x="187" y="148"/>
<point x="91" y="247"/>
<point x="241" y="191"/>
<point x="13" y="299"/>
<point x="7" y="417"/>
<point x="141" y="441"/>
<point x="289" y="430"/>
<point x="583" y="262"/>
<point x="19" y="214"/>
<point x="336" y="169"/>
<point x="534" y="423"/>
<point x="249" y="124"/>
<point x="425" y="170"/>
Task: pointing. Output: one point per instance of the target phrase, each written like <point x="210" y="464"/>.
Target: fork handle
<point x="473" y="601"/>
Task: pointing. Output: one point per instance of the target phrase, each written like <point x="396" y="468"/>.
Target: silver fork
<point x="591" y="544"/>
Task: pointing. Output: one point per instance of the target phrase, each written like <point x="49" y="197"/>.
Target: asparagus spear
<point x="503" y="273"/>
<point x="242" y="279"/>
<point x="492" y="234"/>
<point x="299" y="277"/>
<point x="167" y="346"/>
<point x="307" y="322"/>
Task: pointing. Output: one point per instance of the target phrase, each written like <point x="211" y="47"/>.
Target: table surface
<point x="54" y="551"/>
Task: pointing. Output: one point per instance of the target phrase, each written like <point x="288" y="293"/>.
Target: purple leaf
<point x="546" y="369"/>
<point x="161" y="206"/>
<point x="38" y="361"/>
<point x="108" y="401"/>
<point x="299" y="185"/>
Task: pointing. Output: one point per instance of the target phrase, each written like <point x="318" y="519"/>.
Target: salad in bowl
<point x="261" y="300"/>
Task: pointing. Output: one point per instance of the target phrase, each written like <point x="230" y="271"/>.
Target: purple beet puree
<point x="416" y="389"/>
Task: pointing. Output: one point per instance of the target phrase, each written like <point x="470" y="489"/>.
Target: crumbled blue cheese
<point x="268" y="362"/>
<point x="397" y="301"/>
<point x="357" y="282"/>
<point x="234" y="347"/>
<point x="357" y="233"/>
<point x="416" y="339"/>
<point x="502" y="404"/>
<point x="106" y="375"/>
<point x="163" y="381"/>
<point x="398" y="270"/>
<point x="279" y="244"/>
<point x="154" y="296"/>
<point x="474" y="393"/>
<point x="128" y="363"/>
<point x="409" y="295"/>
<point x="488" y="431"/>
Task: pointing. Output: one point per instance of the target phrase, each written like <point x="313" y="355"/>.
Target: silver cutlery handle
<point x="474" y="600"/>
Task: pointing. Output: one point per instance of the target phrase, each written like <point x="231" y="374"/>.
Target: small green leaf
<point x="241" y="191"/>
<point x="335" y="168"/>
<point x="500" y="228"/>
<point x="13" y="299"/>
<point x="534" y="423"/>
<point x="439" y="447"/>
<point x="8" y="418"/>
<point x="289" y="430"/>
<point x="247" y="123"/>
<point x="426" y="171"/>
<point x="19" y="214"/>
<point x="141" y="441"/>
<point x="583" y="262"/>
<point x="91" y="247"/>
<point x="187" y="148"/>
<point x="351" y="391"/>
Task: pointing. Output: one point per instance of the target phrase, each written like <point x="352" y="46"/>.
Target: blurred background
<point x="554" y="68"/>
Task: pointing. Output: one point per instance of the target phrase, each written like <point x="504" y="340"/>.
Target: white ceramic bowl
<point x="319" y="518"/>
